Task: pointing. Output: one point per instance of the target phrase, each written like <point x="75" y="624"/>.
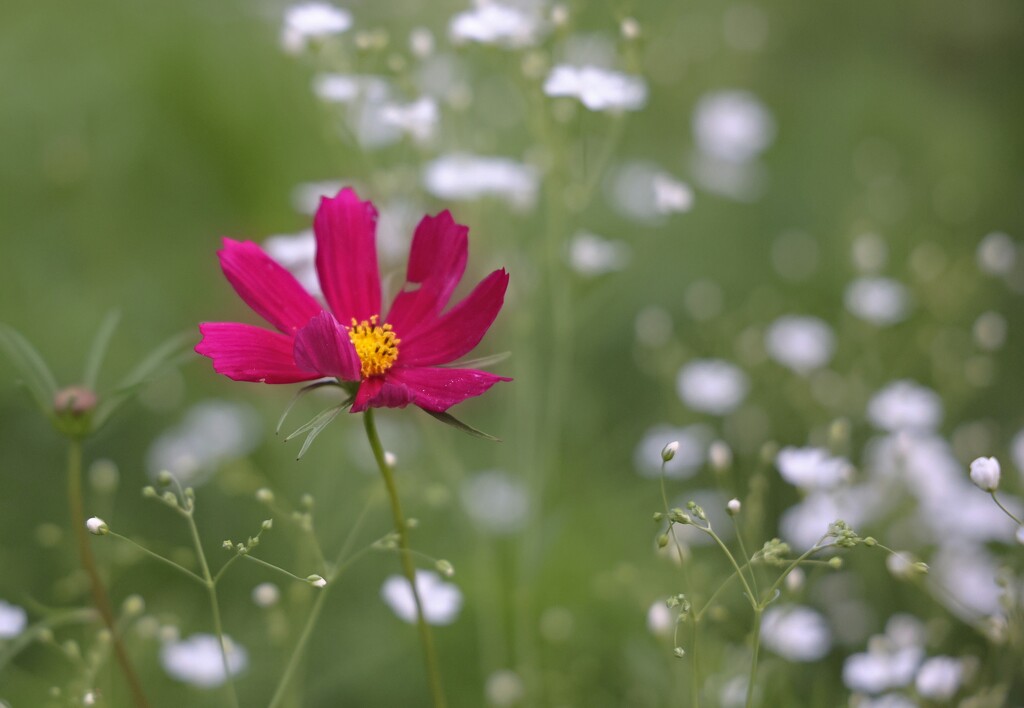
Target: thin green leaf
<point x="317" y="429"/>
<point x="299" y="394"/>
<point x="30" y="367"/>
<point x="326" y="414"/>
<point x="449" y="419"/>
<point x="98" y="350"/>
<point x="481" y="362"/>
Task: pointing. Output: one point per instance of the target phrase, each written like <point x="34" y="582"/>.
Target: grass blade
<point x="98" y="350"/>
<point x="30" y="367"/>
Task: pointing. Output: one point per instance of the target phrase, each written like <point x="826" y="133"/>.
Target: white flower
<point x="882" y="667"/>
<point x="97" y="526"/>
<point x="312" y="20"/>
<point x="795" y="633"/>
<point x="732" y="126"/>
<point x="733" y="507"/>
<point x="12" y="620"/>
<point x="939" y="678"/>
<point x="660" y="619"/>
<point x="591" y="255"/>
<point x="965" y="575"/>
<point x="421" y="42"/>
<point x="905" y="405"/>
<point x="306" y="198"/>
<point x="811" y="467"/>
<point x="804" y="523"/>
<point x="297" y="253"/>
<point x="498" y="24"/>
<point x="880" y="301"/>
<point x="801" y="343"/>
<point x="197" y="660"/>
<point x="417" y="119"/>
<point x="504" y="688"/>
<point x="997" y="254"/>
<point x="985" y="473"/>
<point x="266" y="595"/>
<point x="670" y="195"/>
<point x="690" y="453"/>
<point x="496" y="500"/>
<point x="465" y="177"/>
<point x="211" y="433"/>
<point x="712" y="386"/>
<point x="441" y="601"/>
<point x="597" y="89"/>
<point x="644" y="192"/>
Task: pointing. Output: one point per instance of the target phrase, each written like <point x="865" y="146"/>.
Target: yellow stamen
<point x="376" y="345"/>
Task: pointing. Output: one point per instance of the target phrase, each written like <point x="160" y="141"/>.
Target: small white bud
<point x="266" y="595"/>
<point x="670" y="450"/>
<point x="630" y="28"/>
<point x="264" y="495"/>
<point x="733" y="507"/>
<point x="720" y="455"/>
<point x="267" y="524"/>
<point x="89" y="699"/>
<point x="445" y="568"/>
<point x="390" y="460"/>
<point x="985" y="473"/>
<point x="316" y="581"/>
<point x="97" y="526"/>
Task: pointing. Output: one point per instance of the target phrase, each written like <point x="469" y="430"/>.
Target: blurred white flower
<point x="1020" y="535"/>
<point x="801" y="343"/>
<point x="421" y="42"/>
<point x="732" y="125"/>
<point x="211" y="433"/>
<point x="504" y="688"/>
<point x="496" y="500"/>
<point x="880" y="301"/>
<point x="811" y="467"/>
<point x="497" y="23"/>
<point x="1017" y="452"/>
<point x="643" y="192"/>
<point x="888" y="700"/>
<point x="311" y="20"/>
<point x="693" y="441"/>
<point x="417" y="119"/>
<point x="882" y="667"/>
<point x="591" y="255"/>
<point x="660" y="619"/>
<point x="964" y="575"/>
<point x="712" y="386"/>
<point x="297" y="253"/>
<point x="803" y="524"/>
<point x="348" y="88"/>
<point x="905" y="405"/>
<point x="597" y="89"/>
<point x="441" y="601"/>
<point x="795" y="632"/>
<point x="939" y="678"/>
<point x="266" y="595"/>
<point x="197" y="660"/>
<point x="989" y="331"/>
<point x="13" y="620"/>
<point x="985" y="473"/>
<point x="306" y="196"/>
<point x="997" y="254"/>
<point x="465" y="177"/>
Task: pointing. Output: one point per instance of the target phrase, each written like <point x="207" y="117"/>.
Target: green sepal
<point x="30" y="367"/>
<point x="449" y="419"/>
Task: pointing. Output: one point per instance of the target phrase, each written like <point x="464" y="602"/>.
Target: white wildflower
<point x="13" y="620"/>
<point x="795" y="633"/>
<point x="905" y="405"/>
<point x="811" y="467"/>
<point x="311" y="20"/>
<point x="417" y="119"/>
<point x="197" y="660"/>
<point x="880" y="301"/>
<point x="800" y="343"/>
<point x="596" y="88"/>
<point x="712" y="386"/>
<point x="590" y="255"/>
<point x="465" y="177"/>
<point x="939" y="678"/>
<point x="97" y="526"/>
<point x="997" y="254"/>
<point x="496" y="500"/>
<point x="985" y="473"/>
<point x="441" y="601"/>
<point x="498" y="24"/>
<point x="733" y="126"/>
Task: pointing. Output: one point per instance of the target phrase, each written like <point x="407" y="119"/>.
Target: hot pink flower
<point x="396" y="359"/>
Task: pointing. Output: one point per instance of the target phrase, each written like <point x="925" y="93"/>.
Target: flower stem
<point x="756" y="639"/>
<point x="401" y="528"/>
<point x="1005" y="510"/>
<point x="211" y="589"/>
<point x="99" y="590"/>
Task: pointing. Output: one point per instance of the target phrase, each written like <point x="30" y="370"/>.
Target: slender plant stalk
<point x="756" y="639"/>
<point x="211" y="589"/>
<point x="1005" y="510"/>
<point x="99" y="590"/>
<point x="401" y="529"/>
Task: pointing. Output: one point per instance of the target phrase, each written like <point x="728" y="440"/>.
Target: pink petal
<point x="323" y="346"/>
<point x="438" y="389"/>
<point x="270" y="290"/>
<point x="381" y="392"/>
<point x="346" y="256"/>
<point x="460" y="329"/>
<point x="246" y="353"/>
<point x="437" y="261"/>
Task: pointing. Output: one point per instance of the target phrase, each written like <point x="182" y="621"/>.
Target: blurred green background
<point x="134" y="134"/>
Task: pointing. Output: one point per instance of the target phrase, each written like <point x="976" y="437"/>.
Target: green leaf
<point x="30" y="367"/>
<point x="299" y="394"/>
<point x="449" y="419"/>
<point x="480" y="362"/>
<point x="327" y="413"/>
<point x="317" y="429"/>
<point x="98" y="350"/>
<point x="172" y="352"/>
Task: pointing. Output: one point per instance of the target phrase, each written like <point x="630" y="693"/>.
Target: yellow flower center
<point x="376" y="345"/>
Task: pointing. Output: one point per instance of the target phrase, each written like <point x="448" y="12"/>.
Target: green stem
<point x="732" y="559"/>
<point x="211" y="589"/>
<point x="1005" y="510"/>
<point x="695" y="688"/>
<point x="789" y="569"/>
<point x="271" y="566"/>
<point x="157" y="556"/>
<point x="746" y="556"/>
<point x="756" y="639"/>
<point x="401" y="528"/>
<point x="99" y="590"/>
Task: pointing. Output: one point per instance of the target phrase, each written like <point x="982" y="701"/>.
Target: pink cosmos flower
<point x="397" y="358"/>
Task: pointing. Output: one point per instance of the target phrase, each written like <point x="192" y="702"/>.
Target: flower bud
<point x="835" y="562"/>
<point x="679" y="652"/>
<point x="669" y="451"/>
<point x="390" y="459"/>
<point x="164" y="478"/>
<point x="97" y="526"/>
<point x="985" y="473"/>
<point x="662" y="540"/>
<point x="74" y="400"/>
<point x="733" y="507"/>
<point x="920" y="568"/>
<point x="316" y="581"/>
<point x="445" y="568"/>
<point x="267" y="524"/>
